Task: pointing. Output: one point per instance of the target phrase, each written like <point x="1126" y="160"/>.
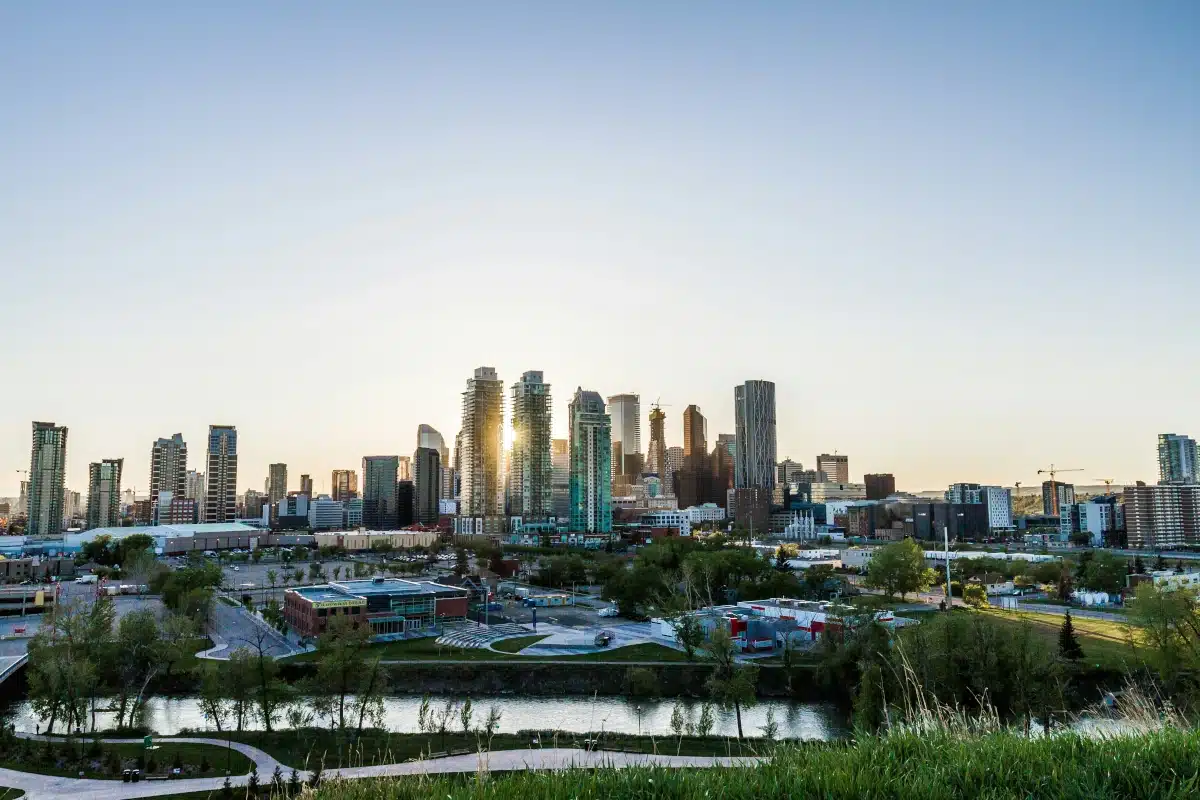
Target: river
<point x="167" y="716"/>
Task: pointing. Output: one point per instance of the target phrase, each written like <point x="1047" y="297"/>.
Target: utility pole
<point x="949" y="594"/>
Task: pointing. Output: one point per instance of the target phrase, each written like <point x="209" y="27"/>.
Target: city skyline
<point x="897" y="180"/>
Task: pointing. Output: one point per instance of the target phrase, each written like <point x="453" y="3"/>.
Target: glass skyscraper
<point x="591" y="463"/>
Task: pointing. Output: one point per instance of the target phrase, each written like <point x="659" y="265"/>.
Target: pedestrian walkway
<point x="49" y="787"/>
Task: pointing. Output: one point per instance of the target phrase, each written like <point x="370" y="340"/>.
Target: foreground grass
<point x="427" y="649"/>
<point x="62" y="759"/>
<point x="10" y="794"/>
<point x="306" y="748"/>
<point x="516" y="644"/>
<point x="1105" y="643"/>
<point x="900" y="766"/>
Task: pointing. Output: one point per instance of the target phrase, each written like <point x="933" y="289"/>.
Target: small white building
<point x="325" y="513"/>
<point x="668" y="519"/>
<point x="708" y="512"/>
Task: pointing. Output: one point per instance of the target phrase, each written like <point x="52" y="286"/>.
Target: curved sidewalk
<point x="49" y="787"/>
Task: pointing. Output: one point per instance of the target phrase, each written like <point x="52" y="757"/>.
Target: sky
<point x="961" y="238"/>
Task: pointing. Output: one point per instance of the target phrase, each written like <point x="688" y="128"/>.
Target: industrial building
<point x="394" y="608"/>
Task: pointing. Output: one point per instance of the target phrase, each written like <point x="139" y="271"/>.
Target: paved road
<point x="236" y="628"/>
<point x="46" y="787"/>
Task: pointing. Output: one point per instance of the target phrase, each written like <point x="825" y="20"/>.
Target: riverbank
<point x="917" y="765"/>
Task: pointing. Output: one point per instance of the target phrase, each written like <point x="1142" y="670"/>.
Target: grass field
<point x="1104" y="643"/>
<point x="516" y="644"/>
<point x="428" y="649"/>
<point x="902" y="766"/>
<point x="307" y="747"/>
<point x="10" y="794"/>
<point x="46" y="761"/>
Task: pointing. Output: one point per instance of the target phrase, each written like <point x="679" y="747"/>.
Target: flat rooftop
<point x="318" y="594"/>
<point x="390" y="586"/>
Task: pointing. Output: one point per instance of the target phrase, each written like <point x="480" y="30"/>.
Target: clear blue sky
<point x="962" y="238"/>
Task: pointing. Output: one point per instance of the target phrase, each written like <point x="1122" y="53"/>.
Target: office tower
<point x="220" y="498"/>
<point x="1162" y="517"/>
<point x="168" y="467"/>
<point x="835" y="467"/>
<point x="72" y="509"/>
<point x="625" y="410"/>
<point x="406" y="499"/>
<point x="591" y="470"/>
<point x="880" y="485"/>
<point x="380" y="506"/>
<point x="194" y="489"/>
<point x="787" y="471"/>
<point x="104" y="493"/>
<point x="253" y="502"/>
<point x="482" y="445"/>
<point x="754" y="418"/>
<point x="560" y="479"/>
<point x="999" y="505"/>
<point x="532" y="467"/>
<point x="1176" y="459"/>
<point x="428" y="436"/>
<point x="404" y="468"/>
<point x="47" y="469"/>
<point x="23" y="500"/>
<point x="693" y="482"/>
<point x="343" y="484"/>
<point x="963" y="493"/>
<point x="427" y="484"/>
<point x="656" y="455"/>
<point x="695" y="432"/>
<point x="1056" y="494"/>
<point x="722" y="468"/>
<point x="306" y="488"/>
<point x="276" y="488"/>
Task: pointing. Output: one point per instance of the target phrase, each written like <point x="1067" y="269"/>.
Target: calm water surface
<point x="168" y="716"/>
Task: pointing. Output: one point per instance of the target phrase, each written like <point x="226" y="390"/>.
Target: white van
<point x="87" y="579"/>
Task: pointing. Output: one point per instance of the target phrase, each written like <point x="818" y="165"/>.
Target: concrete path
<point x="48" y="787"/>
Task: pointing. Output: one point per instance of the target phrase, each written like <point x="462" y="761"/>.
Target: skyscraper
<point x="1176" y="459"/>
<point x="656" y="455"/>
<point x="693" y="483"/>
<point x="194" y="490"/>
<point x="591" y="470"/>
<point x="104" y="493"/>
<point x="880" y="485"/>
<point x="835" y="467"/>
<point x="306" y="486"/>
<point x="722" y="468"/>
<point x="428" y="436"/>
<point x="482" y="445"/>
<point x="380" y="474"/>
<point x="560" y="481"/>
<point x="47" y="468"/>
<point x="404" y="468"/>
<point x="626" y="413"/>
<point x="220" y="499"/>
<point x="276" y="483"/>
<point x="1055" y="495"/>
<point x="532" y="468"/>
<point x="754" y="418"/>
<point x="168" y="467"/>
<point x="344" y="484"/>
<point x="674" y="465"/>
<point x="428" y="484"/>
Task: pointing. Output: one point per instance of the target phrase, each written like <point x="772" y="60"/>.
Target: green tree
<point x="1104" y="572"/>
<point x="272" y="578"/>
<point x="1065" y="585"/>
<point x="732" y="684"/>
<point x="136" y="658"/>
<point x="899" y="568"/>
<point x="240" y="679"/>
<point x="1068" y="643"/>
<point x="975" y="596"/>
<point x="1170" y="626"/>
<point x="690" y="634"/>
<point x="213" y="700"/>
<point x="462" y="562"/>
<point x="781" y="560"/>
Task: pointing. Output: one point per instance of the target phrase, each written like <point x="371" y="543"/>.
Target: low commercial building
<point x="176" y="539"/>
<point x="356" y="541"/>
<point x="394" y="608"/>
<point x="668" y="519"/>
<point x="707" y="512"/>
<point x="35" y="568"/>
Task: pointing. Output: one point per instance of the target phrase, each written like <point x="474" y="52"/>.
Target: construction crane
<point x="1052" y="471"/>
<point x="1108" y="482"/>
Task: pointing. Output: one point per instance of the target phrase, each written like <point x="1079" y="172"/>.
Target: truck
<point x="87" y="579"/>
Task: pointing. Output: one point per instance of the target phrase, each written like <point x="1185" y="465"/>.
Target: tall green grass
<point x="902" y="764"/>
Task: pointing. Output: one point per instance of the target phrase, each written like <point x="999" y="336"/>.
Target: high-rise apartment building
<point x="306" y="487"/>
<point x="72" y="507"/>
<point x="47" y="470"/>
<point x="1056" y="494"/>
<point x="754" y="422"/>
<point x="220" y="498"/>
<point x="625" y="410"/>
<point x="277" y="483"/>
<point x="998" y="500"/>
<point x="253" y="503"/>
<point x="722" y="468"/>
<point x="1177" y="459"/>
<point x="835" y="467"/>
<point x="343" y="484"/>
<point x="591" y="468"/>
<point x="482" y="445"/>
<point x="787" y="470"/>
<point x="656" y="455"/>
<point x="406" y="500"/>
<point x="1163" y="516"/>
<point x="692" y="484"/>
<point x="104" y="493"/>
<point x="404" y="469"/>
<point x="194" y="488"/>
<point x="168" y="467"/>
<point x="674" y="465"/>
<point x="560" y="479"/>
<point x="532" y="468"/>
<point x="427" y="486"/>
<point x="380" y="506"/>
<point x="879" y="485"/>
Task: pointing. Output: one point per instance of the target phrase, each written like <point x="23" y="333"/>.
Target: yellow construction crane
<point x="1052" y="471"/>
<point x="1108" y="482"/>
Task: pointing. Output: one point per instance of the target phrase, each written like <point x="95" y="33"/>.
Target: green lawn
<point x="10" y="794"/>
<point x="1104" y="643"/>
<point x="304" y="749"/>
<point x="516" y="644"/>
<point x="62" y="759"/>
